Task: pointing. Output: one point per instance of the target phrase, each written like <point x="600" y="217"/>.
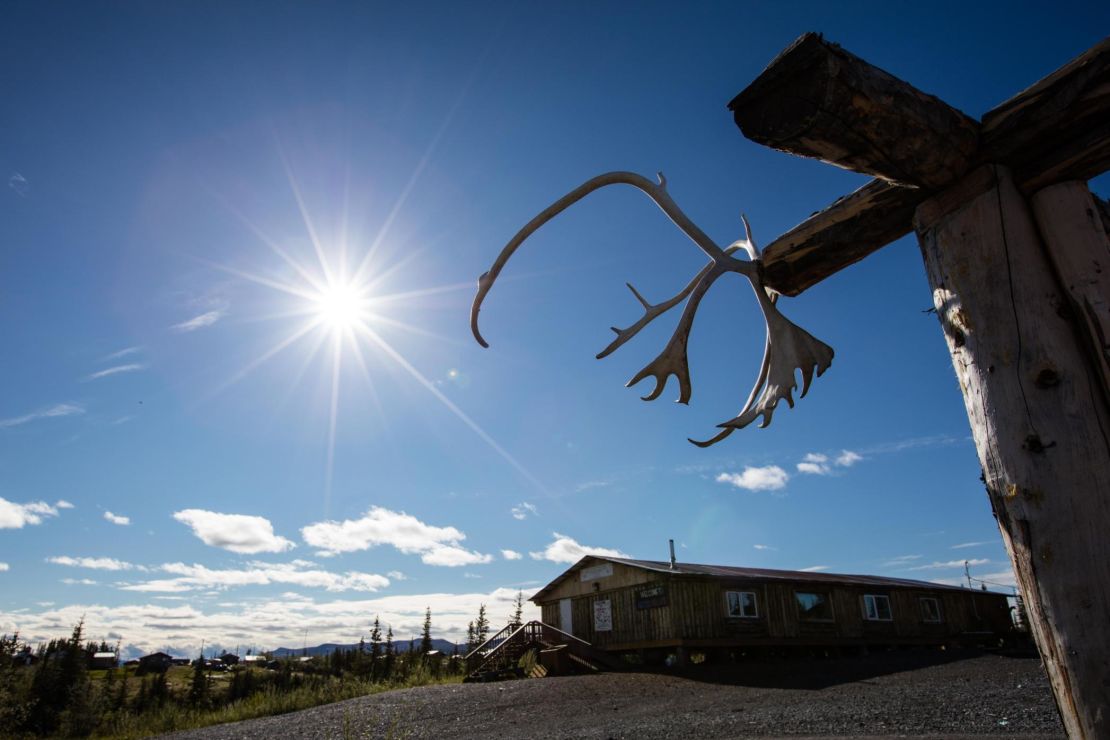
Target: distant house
<point x="229" y="659"/>
<point x="104" y="660"/>
<point x="155" y="662"/>
<point x="624" y="605"/>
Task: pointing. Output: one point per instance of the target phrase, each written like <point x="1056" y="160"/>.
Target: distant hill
<point x="444" y="646"/>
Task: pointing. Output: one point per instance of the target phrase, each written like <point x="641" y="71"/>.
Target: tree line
<point x="57" y="694"/>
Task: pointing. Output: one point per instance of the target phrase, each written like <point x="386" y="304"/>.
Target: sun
<point x="341" y="306"/>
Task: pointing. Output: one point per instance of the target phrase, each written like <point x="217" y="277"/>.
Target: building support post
<point x="1026" y="353"/>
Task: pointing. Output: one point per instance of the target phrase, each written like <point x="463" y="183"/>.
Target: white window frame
<point x="828" y="600"/>
<point x="924" y="616"/>
<point x="740" y="602"/>
<point x="873" y="599"/>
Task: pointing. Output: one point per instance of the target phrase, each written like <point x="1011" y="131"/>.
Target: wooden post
<point x="1038" y="409"/>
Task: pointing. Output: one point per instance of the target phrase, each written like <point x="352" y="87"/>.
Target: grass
<point x="265" y="703"/>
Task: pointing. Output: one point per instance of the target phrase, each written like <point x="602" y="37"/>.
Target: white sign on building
<point x="603" y="616"/>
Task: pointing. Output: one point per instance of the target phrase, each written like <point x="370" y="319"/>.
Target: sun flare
<point x="341" y="306"/>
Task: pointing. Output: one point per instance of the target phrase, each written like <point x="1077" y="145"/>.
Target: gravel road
<point x="920" y="694"/>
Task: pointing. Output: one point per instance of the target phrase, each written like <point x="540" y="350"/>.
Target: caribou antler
<point x="787" y="349"/>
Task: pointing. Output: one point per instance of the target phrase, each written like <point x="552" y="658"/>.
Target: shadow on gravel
<point x="820" y="673"/>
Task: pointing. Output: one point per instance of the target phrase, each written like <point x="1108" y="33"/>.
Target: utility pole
<point x="967" y="572"/>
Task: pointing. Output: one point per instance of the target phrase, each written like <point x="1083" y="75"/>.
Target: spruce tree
<point x="389" y="653"/>
<point x="426" y="636"/>
<point x="198" y="689"/>
<point x="481" y="625"/>
<point x="470" y="641"/>
<point x="517" y="618"/>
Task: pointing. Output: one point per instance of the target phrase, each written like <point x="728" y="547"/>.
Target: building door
<point x="565" y="622"/>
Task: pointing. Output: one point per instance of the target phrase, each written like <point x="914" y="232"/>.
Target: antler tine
<point x="672" y="360"/>
<point x="790" y="349"/>
<point x="657" y="192"/>
<point x="651" y="312"/>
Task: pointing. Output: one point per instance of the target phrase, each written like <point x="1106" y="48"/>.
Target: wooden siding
<point x="695" y="612"/>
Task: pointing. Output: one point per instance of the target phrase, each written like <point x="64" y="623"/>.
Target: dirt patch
<point x="923" y="694"/>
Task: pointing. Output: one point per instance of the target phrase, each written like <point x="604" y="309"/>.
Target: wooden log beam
<point x="1039" y="418"/>
<point x="817" y="100"/>
<point x="1058" y="129"/>
<point x="847" y="231"/>
<point x="1054" y="131"/>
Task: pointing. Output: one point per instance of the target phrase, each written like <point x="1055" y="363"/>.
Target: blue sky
<point x="181" y="457"/>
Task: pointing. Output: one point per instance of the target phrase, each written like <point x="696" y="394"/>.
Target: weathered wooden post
<point x="1016" y="251"/>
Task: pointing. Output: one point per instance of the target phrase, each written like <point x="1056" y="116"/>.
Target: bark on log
<point x="817" y="100"/>
<point x="845" y="232"/>
<point x="1040" y="423"/>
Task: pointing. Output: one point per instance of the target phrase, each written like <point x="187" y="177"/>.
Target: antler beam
<point x="788" y="348"/>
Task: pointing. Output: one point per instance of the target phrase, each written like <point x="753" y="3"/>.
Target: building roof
<point x="104" y="655"/>
<point x="729" y="572"/>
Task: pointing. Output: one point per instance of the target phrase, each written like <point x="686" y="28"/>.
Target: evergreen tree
<point x="517" y="618"/>
<point x="470" y="639"/>
<point x="375" y="649"/>
<point x="426" y="636"/>
<point x="481" y="625"/>
<point x="390" y="653"/>
<point x="198" y="688"/>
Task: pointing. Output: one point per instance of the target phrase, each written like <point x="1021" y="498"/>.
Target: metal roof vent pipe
<point x="672" y="553"/>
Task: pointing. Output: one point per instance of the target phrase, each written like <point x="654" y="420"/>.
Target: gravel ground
<point x="921" y="694"/>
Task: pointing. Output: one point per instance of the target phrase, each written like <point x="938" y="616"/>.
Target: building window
<point x="741" y="604"/>
<point x="930" y="609"/>
<point x="876" y="608"/>
<point x="813" y="607"/>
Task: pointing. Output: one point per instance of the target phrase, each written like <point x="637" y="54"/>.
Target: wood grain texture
<point x="842" y="234"/>
<point x="1043" y="446"/>
<point x="1059" y="128"/>
<point x="818" y="100"/>
<point x="1054" y="131"/>
<point x="1070" y="223"/>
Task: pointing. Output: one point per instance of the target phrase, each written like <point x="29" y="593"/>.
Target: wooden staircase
<point x="499" y="656"/>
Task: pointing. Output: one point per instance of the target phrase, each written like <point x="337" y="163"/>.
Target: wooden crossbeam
<point x="817" y="100"/>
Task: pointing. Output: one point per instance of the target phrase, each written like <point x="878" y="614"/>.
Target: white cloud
<point x="170" y="622"/>
<point x="16" y="516"/>
<point x="511" y="555"/>
<point x="815" y="463"/>
<point x="19" y="184"/>
<point x="58" y="409"/>
<point x="847" y="458"/>
<point x="815" y="569"/>
<point x="302" y="573"/>
<point x="769" y="478"/>
<point x="397" y="575"/>
<point x="123" y="521"/>
<point x="129" y="368"/>
<point x="764" y="547"/>
<point x="92" y="563"/>
<point x="199" y="322"/>
<point x="951" y="564"/>
<point x="900" y="560"/>
<point x="963" y="545"/>
<point x="122" y="353"/>
<point x="523" y="509"/>
<point x="4" y="567"/>
<point x="564" y="549"/>
<point x="1002" y="578"/>
<point x="380" y="526"/>
<point x="235" y="532"/>
<point x="79" y="582"/>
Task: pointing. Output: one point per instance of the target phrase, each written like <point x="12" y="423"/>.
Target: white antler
<point x="788" y="348"/>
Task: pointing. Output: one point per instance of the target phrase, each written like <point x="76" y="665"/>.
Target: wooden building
<point x="629" y="605"/>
